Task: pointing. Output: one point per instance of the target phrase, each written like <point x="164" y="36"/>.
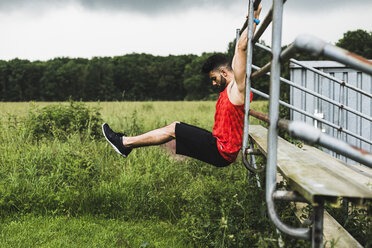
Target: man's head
<point x="219" y="70"/>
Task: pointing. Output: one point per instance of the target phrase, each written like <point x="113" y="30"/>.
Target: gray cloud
<point x="323" y="6"/>
<point x="166" y="6"/>
<point x="139" y="6"/>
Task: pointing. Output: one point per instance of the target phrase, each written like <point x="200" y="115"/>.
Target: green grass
<point x="88" y="231"/>
<point x="53" y="190"/>
<point x="78" y="192"/>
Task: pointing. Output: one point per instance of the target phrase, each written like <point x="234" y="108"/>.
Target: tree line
<point x="132" y="77"/>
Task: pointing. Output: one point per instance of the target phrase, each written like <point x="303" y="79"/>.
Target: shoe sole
<point x="116" y="149"/>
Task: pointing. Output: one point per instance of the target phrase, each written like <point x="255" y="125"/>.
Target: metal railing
<point x="316" y="47"/>
<point x="341" y="106"/>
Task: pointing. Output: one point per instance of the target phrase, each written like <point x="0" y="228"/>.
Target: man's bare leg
<point x="155" y="137"/>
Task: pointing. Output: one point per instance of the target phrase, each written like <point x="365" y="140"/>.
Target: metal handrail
<point x="317" y="47"/>
<point x="321" y="73"/>
<point x="257" y="92"/>
<point x="340" y="105"/>
<point x="315" y="136"/>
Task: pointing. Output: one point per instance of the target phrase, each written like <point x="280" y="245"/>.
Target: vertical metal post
<point x="343" y="122"/>
<point x="317" y="229"/>
<point x="291" y="95"/>
<point x="339" y="116"/>
<point x="345" y="203"/>
<point x="248" y="82"/>
<point x="320" y="101"/>
<point x="359" y="106"/>
<point x="272" y="143"/>
<point x="252" y="161"/>
<point x="274" y="100"/>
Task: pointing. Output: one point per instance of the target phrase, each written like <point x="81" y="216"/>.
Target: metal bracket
<point x="302" y="233"/>
<point x="251" y="163"/>
<point x="288" y="196"/>
<point x="251" y="151"/>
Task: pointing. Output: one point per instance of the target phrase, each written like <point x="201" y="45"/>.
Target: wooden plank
<point x="311" y="176"/>
<point x="359" y="173"/>
<point x="332" y="230"/>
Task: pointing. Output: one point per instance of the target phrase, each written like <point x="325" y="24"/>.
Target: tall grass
<point x="53" y="189"/>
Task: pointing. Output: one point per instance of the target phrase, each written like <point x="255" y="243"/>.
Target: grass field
<point x="70" y="189"/>
<point x="77" y="192"/>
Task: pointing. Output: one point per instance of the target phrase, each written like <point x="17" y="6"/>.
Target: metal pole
<point x="317" y="229"/>
<point x="252" y="161"/>
<point x="248" y="85"/>
<point x="274" y="101"/>
<point x="315" y="136"/>
<point x="274" y="116"/>
<point x="317" y="47"/>
<point x="341" y="114"/>
<point x="321" y="73"/>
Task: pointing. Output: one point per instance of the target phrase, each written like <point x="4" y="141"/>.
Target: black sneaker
<point x="116" y="140"/>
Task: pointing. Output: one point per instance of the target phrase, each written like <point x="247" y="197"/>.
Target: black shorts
<point x="198" y="143"/>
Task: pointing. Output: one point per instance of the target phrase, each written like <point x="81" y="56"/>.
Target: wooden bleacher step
<point x="315" y="176"/>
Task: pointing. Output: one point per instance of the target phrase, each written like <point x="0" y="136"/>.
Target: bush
<point x="60" y="121"/>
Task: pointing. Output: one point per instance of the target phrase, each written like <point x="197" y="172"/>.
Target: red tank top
<point x="228" y="126"/>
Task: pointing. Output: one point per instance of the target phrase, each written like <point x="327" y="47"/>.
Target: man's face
<point x="218" y="80"/>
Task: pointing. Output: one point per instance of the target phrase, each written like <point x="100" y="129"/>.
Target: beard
<point x="223" y="84"/>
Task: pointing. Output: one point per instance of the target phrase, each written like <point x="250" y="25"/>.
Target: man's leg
<point x="155" y="137"/>
<point x="198" y="143"/>
<point x="124" y="145"/>
<point x="191" y="141"/>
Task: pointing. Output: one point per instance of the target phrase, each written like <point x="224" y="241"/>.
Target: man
<point x="219" y="148"/>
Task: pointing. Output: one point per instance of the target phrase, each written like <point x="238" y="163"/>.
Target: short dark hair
<point x="215" y="62"/>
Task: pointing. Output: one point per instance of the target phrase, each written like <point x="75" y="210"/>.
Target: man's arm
<point x="240" y="56"/>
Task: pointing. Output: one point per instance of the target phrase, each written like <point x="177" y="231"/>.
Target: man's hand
<point x="237" y="93"/>
<point x="257" y="12"/>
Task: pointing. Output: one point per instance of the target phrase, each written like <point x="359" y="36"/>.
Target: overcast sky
<point x="45" y="29"/>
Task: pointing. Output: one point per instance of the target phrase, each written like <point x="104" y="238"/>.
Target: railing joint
<point x="250" y="151"/>
<point x="288" y="196"/>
